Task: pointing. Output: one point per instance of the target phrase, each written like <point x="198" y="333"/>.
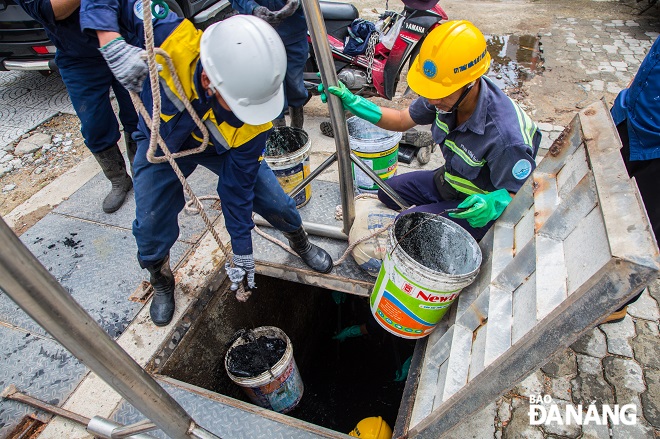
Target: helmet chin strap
<point x="461" y="97"/>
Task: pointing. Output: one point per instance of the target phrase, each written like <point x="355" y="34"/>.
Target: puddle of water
<point x="515" y="59"/>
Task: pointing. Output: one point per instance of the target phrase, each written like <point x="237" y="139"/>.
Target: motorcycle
<point x="376" y="72"/>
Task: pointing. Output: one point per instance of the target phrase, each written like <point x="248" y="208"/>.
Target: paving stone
<point x="564" y="429"/>
<point x="561" y="365"/>
<point x="592" y="343"/>
<point x="590" y="385"/>
<point x="645" y="345"/>
<point x="618" y="336"/>
<point x="532" y="385"/>
<point x="519" y="427"/>
<point x="560" y="388"/>
<point x="654" y="290"/>
<point x="479" y="426"/>
<point x="504" y="410"/>
<point x="651" y="397"/>
<point x="31" y="144"/>
<point x="593" y="431"/>
<point x="645" y="307"/>
<point x="544" y="126"/>
<point x="625" y="376"/>
<point x="639" y="430"/>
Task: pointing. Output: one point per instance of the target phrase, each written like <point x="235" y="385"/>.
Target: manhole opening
<point x="514" y="59"/>
<point x="344" y="381"/>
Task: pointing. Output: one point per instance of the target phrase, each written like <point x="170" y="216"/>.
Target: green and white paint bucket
<point x="376" y="147"/>
<point x="287" y="154"/>
<point x="429" y="260"/>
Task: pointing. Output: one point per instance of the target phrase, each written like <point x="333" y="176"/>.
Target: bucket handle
<point x="456" y="210"/>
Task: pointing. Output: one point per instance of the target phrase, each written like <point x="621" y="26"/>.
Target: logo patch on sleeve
<point x="139" y="12"/>
<point x="522" y="169"/>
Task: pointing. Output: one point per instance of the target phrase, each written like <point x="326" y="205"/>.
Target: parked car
<point x="23" y="42"/>
<point x="25" y="46"/>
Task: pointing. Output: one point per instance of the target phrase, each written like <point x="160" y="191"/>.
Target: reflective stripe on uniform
<point x="440" y="124"/>
<point x="527" y="126"/>
<point x="462" y="185"/>
<point x="462" y="154"/>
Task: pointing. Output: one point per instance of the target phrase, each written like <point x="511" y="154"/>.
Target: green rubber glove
<point x="402" y="373"/>
<point x="483" y="207"/>
<point x="349" y="332"/>
<point x="359" y="106"/>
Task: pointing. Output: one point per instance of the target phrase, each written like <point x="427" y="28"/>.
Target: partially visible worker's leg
<point x="294" y="84"/>
<point x="158" y="200"/>
<point x="280" y="211"/>
<point x="128" y="117"/>
<point x="418" y="189"/>
<point x="88" y="83"/>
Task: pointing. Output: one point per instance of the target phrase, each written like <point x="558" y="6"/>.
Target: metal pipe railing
<point x="323" y="53"/>
<point x="37" y="292"/>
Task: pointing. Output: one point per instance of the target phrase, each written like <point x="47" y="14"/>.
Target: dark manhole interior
<point x="344" y="381"/>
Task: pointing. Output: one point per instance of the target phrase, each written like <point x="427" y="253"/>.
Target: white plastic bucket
<point x="280" y="388"/>
<point x="429" y="260"/>
<point x="287" y="154"/>
<point x="377" y="148"/>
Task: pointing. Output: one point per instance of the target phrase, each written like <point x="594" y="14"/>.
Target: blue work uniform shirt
<point x="494" y="149"/>
<point x="124" y="17"/>
<point x="65" y="34"/>
<point x="639" y="107"/>
<point x="293" y="28"/>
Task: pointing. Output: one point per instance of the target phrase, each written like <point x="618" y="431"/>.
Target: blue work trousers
<point x="295" y="93"/>
<point x="88" y="82"/>
<point x="159" y="198"/>
<point x="418" y="189"/>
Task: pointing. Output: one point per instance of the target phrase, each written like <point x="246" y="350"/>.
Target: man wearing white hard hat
<point x="232" y="74"/>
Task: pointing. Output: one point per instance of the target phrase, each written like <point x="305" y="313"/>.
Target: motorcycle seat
<point x="338" y="11"/>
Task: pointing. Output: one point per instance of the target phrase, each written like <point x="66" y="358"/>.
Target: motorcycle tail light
<point x="44" y="50"/>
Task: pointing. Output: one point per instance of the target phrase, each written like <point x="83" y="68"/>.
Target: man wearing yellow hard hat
<point x="489" y="144"/>
<point x="372" y="428"/>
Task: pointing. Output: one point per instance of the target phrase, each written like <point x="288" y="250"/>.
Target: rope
<point x="156" y="140"/>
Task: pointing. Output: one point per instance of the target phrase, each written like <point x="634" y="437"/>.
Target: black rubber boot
<point x="162" y="303"/>
<point x="113" y="166"/>
<point x="131" y="148"/>
<point x="279" y="122"/>
<point x="297" y="117"/>
<point x="315" y="257"/>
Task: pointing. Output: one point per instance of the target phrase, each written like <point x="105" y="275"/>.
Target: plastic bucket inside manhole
<point x="429" y="260"/>
<point x="280" y="388"/>
<point x="287" y="154"/>
<point x="377" y="148"/>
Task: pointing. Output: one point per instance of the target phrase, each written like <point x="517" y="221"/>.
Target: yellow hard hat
<point x="372" y="428"/>
<point x="452" y="55"/>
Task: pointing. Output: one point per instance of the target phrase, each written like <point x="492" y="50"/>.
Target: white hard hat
<point x="245" y="60"/>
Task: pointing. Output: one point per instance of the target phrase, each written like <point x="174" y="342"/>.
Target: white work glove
<point x="243" y="265"/>
<point x="126" y="63"/>
<point x="288" y="9"/>
<point x="267" y="15"/>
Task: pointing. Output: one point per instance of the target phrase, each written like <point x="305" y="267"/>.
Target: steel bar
<point x="381" y="183"/>
<point x="326" y="64"/>
<point x="315" y="173"/>
<point x="37" y="292"/>
<point x="142" y="426"/>
<point x="114" y="430"/>
<point x="11" y="392"/>
<point x="316" y="229"/>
